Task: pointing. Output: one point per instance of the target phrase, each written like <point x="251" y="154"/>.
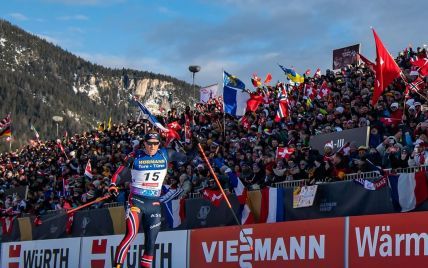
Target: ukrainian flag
<point x="292" y="75"/>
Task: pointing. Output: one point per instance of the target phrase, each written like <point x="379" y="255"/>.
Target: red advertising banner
<point x="389" y="240"/>
<point x="311" y="243"/>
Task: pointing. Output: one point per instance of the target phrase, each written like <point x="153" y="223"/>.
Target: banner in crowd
<point x="360" y="136"/>
<point x="352" y="200"/>
<point x="170" y="250"/>
<point x="345" y="55"/>
<point x="304" y="196"/>
<point x="209" y="92"/>
<point x="21" y="191"/>
<point x="41" y="253"/>
<point x="318" y="244"/>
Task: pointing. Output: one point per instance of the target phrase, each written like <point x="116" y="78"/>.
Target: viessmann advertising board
<point x="312" y="243"/>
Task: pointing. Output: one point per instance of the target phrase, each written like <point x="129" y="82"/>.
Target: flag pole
<point x="224" y="194"/>
<point x="99" y="199"/>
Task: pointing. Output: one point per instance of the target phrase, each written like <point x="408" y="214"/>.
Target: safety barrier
<point x="362" y="241"/>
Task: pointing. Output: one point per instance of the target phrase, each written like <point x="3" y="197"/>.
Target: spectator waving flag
<point x="6" y="132"/>
<point x="234" y="95"/>
<point x="367" y="62"/>
<point x="88" y="170"/>
<point x="284" y="152"/>
<point x="386" y="69"/>
<point x="151" y="117"/>
<point x="422" y="63"/>
<point x="35" y="131"/>
<point x="416" y="86"/>
<point x="245" y="213"/>
<point x="292" y="75"/>
<point x="408" y="190"/>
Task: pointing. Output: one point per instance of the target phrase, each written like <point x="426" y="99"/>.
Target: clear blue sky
<point x="240" y="36"/>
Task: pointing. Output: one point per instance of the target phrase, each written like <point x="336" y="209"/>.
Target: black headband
<point x="150" y="136"/>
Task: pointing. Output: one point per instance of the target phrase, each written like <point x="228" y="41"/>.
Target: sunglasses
<point x="154" y="143"/>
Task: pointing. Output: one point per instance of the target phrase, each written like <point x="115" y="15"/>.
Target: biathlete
<point x="148" y="169"/>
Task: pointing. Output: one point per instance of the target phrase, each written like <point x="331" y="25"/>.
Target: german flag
<point x="7" y="132"/>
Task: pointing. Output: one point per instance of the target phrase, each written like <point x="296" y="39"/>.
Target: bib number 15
<point x="151" y="176"/>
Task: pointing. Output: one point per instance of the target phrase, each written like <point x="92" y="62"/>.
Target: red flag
<point x="254" y="102"/>
<point x="268" y="78"/>
<point x="386" y="69"/>
<point x="367" y="62"/>
<point x="323" y="91"/>
<point x="244" y="122"/>
<point x="214" y="196"/>
<point x="317" y="73"/>
<point x="38" y="221"/>
<point x="58" y="142"/>
<point x="171" y="135"/>
<point x="7" y="223"/>
<point x="256" y="81"/>
<point x="389" y="121"/>
<point x="422" y="64"/>
<point x="69" y="223"/>
<point x="308" y="72"/>
<point x="88" y="169"/>
<point x="174" y="125"/>
<point x="284" y="152"/>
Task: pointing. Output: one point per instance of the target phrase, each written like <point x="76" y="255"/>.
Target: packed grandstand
<point x="54" y="171"/>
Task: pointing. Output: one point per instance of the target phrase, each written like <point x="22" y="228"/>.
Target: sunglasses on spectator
<point x="152" y="142"/>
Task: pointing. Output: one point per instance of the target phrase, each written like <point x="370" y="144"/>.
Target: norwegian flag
<point x="416" y="86"/>
<point x="422" y="63"/>
<point x="88" y="169"/>
<point x="283" y="106"/>
<point x="308" y="72"/>
<point x="284" y="152"/>
<point x="324" y="91"/>
<point x="214" y="196"/>
<point x="389" y="121"/>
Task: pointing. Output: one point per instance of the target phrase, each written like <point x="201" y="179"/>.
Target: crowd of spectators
<point x="56" y="180"/>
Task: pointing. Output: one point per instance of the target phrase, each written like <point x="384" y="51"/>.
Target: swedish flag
<point x="292" y="75"/>
<point x="232" y="81"/>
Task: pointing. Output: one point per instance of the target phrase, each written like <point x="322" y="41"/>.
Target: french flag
<point x="234" y="95"/>
<point x="408" y="190"/>
<point x="247" y="216"/>
<point x="175" y="212"/>
<point x="151" y="117"/>
<point x="272" y="206"/>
